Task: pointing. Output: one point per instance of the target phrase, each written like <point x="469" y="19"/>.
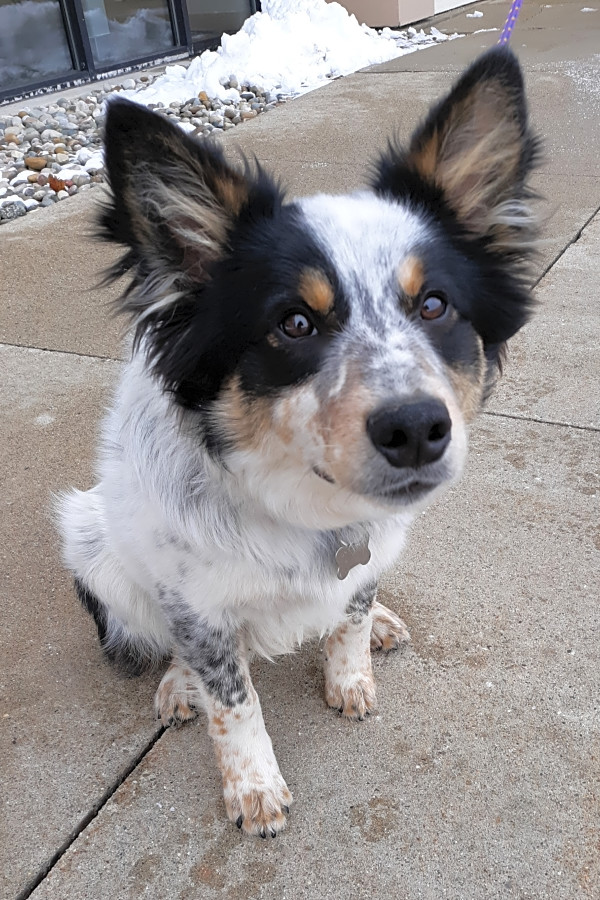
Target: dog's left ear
<point x="474" y="151"/>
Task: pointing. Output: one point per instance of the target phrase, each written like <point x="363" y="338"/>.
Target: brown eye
<point x="433" y="307"/>
<point x="297" y="325"/>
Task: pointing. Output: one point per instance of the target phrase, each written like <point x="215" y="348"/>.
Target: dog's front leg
<point x="212" y="670"/>
<point x="349" y="682"/>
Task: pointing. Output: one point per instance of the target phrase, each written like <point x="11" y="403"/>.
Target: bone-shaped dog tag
<point x="349" y="555"/>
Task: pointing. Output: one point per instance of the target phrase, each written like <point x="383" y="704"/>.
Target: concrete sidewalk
<point x="480" y="776"/>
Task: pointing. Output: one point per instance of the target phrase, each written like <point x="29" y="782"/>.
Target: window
<point x="33" y="43"/>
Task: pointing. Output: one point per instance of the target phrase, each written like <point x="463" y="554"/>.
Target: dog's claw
<point x="239" y="821"/>
<point x="286" y="810"/>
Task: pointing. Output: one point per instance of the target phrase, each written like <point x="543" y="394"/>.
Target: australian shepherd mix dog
<point x="301" y="384"/>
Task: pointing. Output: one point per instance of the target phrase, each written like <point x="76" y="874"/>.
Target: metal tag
<point x="347" y="556"/>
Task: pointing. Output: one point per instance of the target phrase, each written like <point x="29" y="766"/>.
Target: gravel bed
<point x="50" y="152"/>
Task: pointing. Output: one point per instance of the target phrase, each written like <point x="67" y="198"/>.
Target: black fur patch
<point x="132" y="657"/>
<point x="488" y="297"/>
<point x="211" y="652"/>
<point x="94" y="607"/>
<point x="362" y="601"/>
<point x="251" y="291"/>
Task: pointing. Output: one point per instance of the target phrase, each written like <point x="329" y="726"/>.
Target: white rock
<point x="83" y="155"/>
<point x="96" y="161"/>
<point x="9" y="201"/>
<point x="22" y="176"/>
<point x="70" y="171"/>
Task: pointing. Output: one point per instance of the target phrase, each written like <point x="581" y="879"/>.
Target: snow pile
<point x="292" y="46"/>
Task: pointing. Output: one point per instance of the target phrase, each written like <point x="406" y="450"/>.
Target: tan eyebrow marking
<point x="316" y="291"/>
<point x="411" y="276"/>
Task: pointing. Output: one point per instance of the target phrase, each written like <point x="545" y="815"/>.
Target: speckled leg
<point x="214" y="675"/>
<point x="349" y="682"/>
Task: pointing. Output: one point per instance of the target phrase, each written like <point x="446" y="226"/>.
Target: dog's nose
<point x="411" y="434"/>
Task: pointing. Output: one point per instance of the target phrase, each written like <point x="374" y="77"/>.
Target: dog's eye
<point x="297" y="325"/>
<point x="433" y="307"/>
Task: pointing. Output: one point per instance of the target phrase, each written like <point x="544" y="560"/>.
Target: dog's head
<point x="335" y="347"/>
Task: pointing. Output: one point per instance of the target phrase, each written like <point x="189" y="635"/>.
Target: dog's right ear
<point x="174" y="204"/>
<point x="474" y="152"/>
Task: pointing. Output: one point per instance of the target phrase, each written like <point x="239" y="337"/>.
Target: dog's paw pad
<point x="355" y="699"/>
<point x="174" y="700"/>
<point x="177" y="714"/>
<point x="259" y="811"/>
<point x="388" y="631"/>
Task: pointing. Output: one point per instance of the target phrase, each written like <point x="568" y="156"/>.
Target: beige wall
<point x="397" y="12"/>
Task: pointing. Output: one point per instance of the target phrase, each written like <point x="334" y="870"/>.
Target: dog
<point x="302" y="379"/>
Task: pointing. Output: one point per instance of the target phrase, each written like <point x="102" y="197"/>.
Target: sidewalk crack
<point x="61" y="351"/>
<point x="565" y="248"/>
<point x="539" y="421"/>
<point x="89" y="817"/>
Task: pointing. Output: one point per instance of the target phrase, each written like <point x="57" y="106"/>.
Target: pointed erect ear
<point x="475" y="149"/>
<point x="177" y="206"/>
<point x="174" y="201"/>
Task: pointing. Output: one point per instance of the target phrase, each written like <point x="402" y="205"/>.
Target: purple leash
<point x="513" y="15"/>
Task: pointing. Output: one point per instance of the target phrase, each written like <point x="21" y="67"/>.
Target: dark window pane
<point x="210" y="18"/>
<point x="124" y="30"/>
<point x="33" y="43"/>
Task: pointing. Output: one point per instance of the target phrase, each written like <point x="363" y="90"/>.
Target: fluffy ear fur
<point x="174" y="203"/>
<point x="474" y="151"/>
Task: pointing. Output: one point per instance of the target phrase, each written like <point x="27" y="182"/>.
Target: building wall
<point x="398" y="12"/>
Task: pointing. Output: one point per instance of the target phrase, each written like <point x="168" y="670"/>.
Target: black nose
<point x="411" y="434"/>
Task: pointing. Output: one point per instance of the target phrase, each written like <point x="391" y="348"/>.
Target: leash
<point x="513" y="15"/>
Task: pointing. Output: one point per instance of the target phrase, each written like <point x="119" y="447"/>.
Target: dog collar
<point x="347" y="556"/>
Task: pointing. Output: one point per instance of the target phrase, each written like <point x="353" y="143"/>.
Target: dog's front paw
<point x="354" y="697"/>
<point x="256" y="797"/>
<point x="175" y="700"/>
<point x="349" y="682"/>
<point x="260" y="807"/>
<point x="388" y="631"/>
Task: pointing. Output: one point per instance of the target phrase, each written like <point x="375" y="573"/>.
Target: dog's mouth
<point x="410" y="490"/>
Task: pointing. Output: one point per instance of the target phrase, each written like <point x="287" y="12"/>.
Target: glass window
<point x="33" y="43"/>
<point x="124" y="30"/>
<point x="210" y="18"/>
